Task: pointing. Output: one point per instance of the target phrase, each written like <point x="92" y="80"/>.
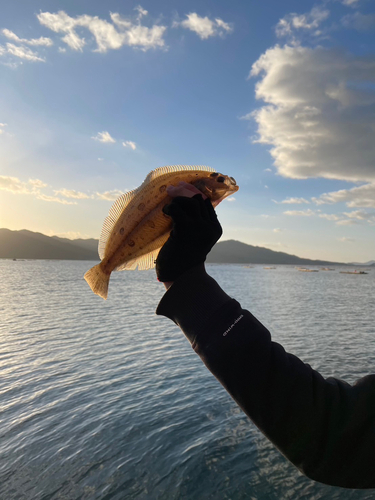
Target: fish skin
<point x="137" y="228"/>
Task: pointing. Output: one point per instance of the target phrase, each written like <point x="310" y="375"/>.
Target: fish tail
<point x="98" y="281"/>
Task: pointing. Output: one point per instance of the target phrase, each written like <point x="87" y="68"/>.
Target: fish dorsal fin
<point x="112" y="218"/>
<point x="158" y="172"/>
<point x="123" y="201"/>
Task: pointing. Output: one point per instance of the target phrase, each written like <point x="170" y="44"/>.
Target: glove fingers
<point x="207" y="209"/>
<point x="203" y="206"/>
<point x="176" y="212"/>
<point x="190" y="206"/>
<point x="210" y="210"/>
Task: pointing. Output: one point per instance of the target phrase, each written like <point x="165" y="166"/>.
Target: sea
<point x="106" y="400"/>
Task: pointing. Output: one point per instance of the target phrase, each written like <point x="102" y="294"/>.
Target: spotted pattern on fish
<point x="136" y="227"/>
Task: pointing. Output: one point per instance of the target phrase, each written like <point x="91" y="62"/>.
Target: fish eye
<point x="220" y="179"/>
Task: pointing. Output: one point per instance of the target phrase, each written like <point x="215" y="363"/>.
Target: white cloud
<point x="277" y="230"/>
<point x="344" y="239"/>
<point x="32" y="187"/>
<point x="358" y="214"/>
<point x="231" y="199"/>
<point x="37" y="183"/>
<point x="358" y="21"/>
<point x="318" y="115"/>
<point x="329" y="217"/>
<point x="14" y="185"/>
<point x="350" y="3"/>
<point x="288" y="25"/>
<point x="346" y="222"/>
<point x="304" y="213"/>
<point x="203" y="26"/>
<point x="141" y="12"/>
<point x="74" y="41"/>
<point x="35" y="186"/>
<point x="2" y="125"/>
<point x="46" y="197"/>
<point x="33" y="41"/>
<point x="109" y="195"/>
<point x="104" y="137"/>
<point x="107" y="35"/>
<point x="129" y="144"/>
<point x="62" y="23"/>
<point x="71" y="193"/>
<point x="292" y="201"/>
<point x="225" y="26"/>
<point x="21" y="52"/>
<point x="357" y="197"/>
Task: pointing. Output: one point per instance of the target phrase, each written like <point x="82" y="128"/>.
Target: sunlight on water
<point x="107" y="400"/>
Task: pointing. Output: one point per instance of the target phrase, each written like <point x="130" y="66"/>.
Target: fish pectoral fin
<point x="98" y="281"/>
<point x="147" y="260"/>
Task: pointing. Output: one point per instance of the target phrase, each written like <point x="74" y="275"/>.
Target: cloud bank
<point x="32" y="186"/>
<point x="35" y="188"/>
<point x="362" y="196"/>
<point x="318" y="115"/>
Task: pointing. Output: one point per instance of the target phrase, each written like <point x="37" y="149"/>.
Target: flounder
<point x="136" y="227"/>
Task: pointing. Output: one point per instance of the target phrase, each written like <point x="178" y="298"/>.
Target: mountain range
<point x="26" y="244"/>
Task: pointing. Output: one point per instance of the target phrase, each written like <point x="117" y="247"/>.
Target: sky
<point x="279" y="95"/>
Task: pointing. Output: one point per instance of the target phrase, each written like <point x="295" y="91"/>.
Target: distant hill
<point x="29" y="245"/>
<point x="90" y="244"/>
<point x="235" y="252"/>
<point x="368" y="264"/>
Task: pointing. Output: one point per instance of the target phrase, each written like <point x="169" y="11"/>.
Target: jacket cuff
<point x="192" y="300"/>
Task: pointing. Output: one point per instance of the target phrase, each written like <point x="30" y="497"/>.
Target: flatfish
<point x="136" y="227"/>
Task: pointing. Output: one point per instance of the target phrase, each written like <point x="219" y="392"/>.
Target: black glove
<point x="195" y="231"/>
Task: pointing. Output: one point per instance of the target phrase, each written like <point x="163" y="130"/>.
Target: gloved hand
<point x="195" y="231"/>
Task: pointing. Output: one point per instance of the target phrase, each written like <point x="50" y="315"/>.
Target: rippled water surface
<point x="106" y="400"/>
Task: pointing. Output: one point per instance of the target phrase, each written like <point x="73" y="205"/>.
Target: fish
<point x="136" y="227"/>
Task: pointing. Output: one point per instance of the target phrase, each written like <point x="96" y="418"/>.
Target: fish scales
<point x="136" y="227"/>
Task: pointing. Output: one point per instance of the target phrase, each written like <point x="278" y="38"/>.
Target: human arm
<point x="325" y="427"/>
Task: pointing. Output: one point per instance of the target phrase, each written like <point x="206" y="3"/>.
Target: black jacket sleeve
<point x="325" y="427"/>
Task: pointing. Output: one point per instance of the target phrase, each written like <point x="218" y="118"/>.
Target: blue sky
<point x="279" y="95"/>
